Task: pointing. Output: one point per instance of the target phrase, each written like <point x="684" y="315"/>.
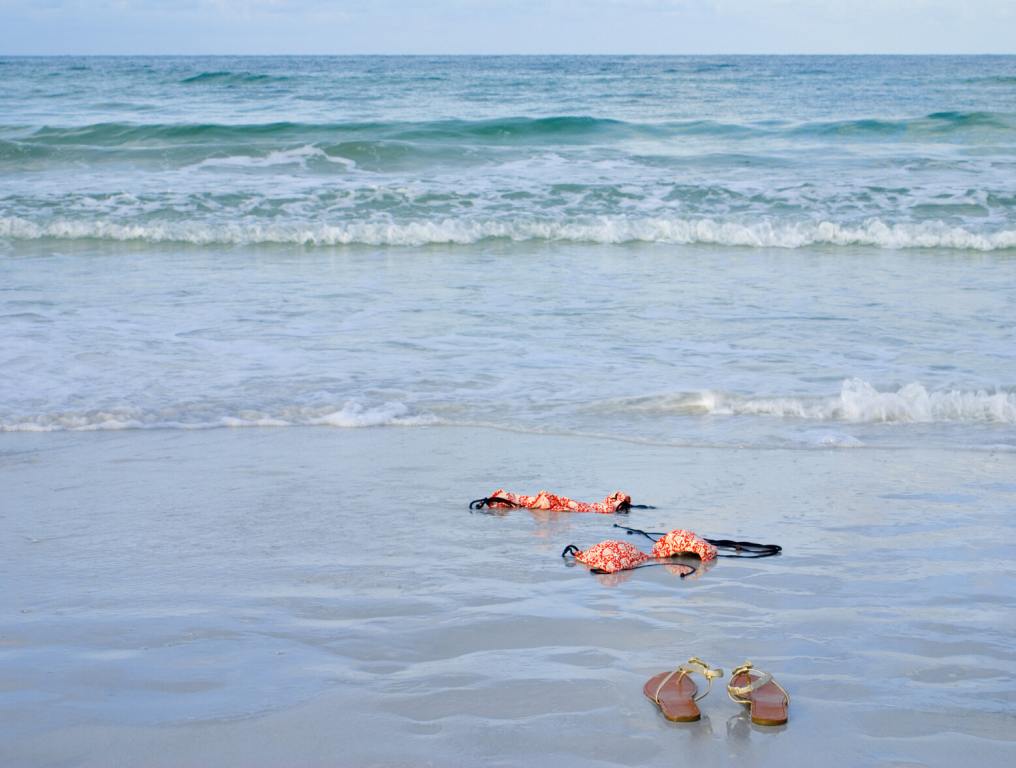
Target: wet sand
<point x="317" y="596"/>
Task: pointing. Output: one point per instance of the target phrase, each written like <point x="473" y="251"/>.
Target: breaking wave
<point x="295" y="156"/>
<point x="510" y="129"/>
<point x="857" y="402"/>
<point x="602" y="229"/>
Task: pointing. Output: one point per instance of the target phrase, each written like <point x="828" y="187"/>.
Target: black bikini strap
<point x="625" y="506"/>
<point x="636" y="530"/>
<point x="691" y="568"/>
<point x="745" y="549"/>
<point x="481" y="503"/>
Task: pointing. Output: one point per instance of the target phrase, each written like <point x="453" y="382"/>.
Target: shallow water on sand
<point x="309" y="596"/>
<point x="683" y="345"/>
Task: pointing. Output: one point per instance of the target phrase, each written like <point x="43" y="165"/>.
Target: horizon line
<point x="491" y="55"/>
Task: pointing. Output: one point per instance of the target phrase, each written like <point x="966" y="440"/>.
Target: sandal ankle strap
<point x="756" y="679"/>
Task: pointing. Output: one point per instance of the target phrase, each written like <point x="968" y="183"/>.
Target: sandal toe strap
<point x="694" y="665"/>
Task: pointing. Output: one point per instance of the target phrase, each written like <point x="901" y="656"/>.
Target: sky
<point x="505" y="26"/>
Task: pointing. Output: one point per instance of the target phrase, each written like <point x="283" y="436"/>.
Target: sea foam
<point x="350" y="415"/>
<point x="603" y="229"/>
<point x="858" y="401"/>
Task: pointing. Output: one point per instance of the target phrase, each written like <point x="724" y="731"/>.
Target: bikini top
<point x="613" y="555"/>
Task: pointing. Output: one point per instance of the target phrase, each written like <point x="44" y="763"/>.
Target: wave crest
<point x="559" y="128"/>
<point x="232" y="78"/>
<point x="602" y="229"/>
<point x="857" y="402"/>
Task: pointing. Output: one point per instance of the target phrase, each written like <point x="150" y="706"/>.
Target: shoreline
<point x="305" y="596"/>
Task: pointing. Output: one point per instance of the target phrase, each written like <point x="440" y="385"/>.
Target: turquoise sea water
<point x="749" y="250"/>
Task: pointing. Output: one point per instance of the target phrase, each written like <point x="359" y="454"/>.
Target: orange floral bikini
<point x="613" y="555"/>
<point x="608" y="556"/>
<point x="618" y="501"/>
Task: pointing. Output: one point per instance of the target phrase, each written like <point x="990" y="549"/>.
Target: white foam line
<point x="352" y="415"/>
<point x="603" y="229"/>
<point x="857" y="402"/>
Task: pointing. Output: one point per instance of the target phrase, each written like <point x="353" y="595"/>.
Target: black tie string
<point x="487" y="502"/>
<point x="727" y="547"/>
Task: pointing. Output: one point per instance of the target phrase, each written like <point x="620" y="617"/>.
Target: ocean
<point x="706" y="250"/>
<point x="266" y="323"/>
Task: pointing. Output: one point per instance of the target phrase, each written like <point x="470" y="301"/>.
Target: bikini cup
<point x="680" y="541"/>
<point x="612" y="556"/>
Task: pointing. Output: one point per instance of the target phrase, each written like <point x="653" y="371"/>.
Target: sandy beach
<point x="315" y="596"/>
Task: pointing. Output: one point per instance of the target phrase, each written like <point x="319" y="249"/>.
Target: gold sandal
<point x="768" y="700"/>
<point x="675" y="693"/>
